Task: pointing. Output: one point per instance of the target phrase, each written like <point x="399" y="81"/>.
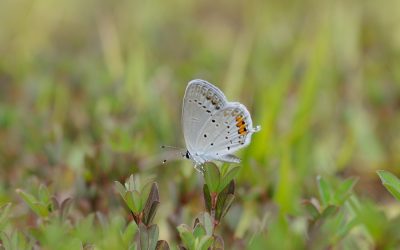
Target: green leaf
<point x="28" y="198"/>
<point x="149" y="191"/>
<point x="134" y="201"/>
<point x="128" y="198"/>
<point x="344" y="230"/>
<point x="228" y="177"/>
<point x="151" y="204"/>
<point x="391" y="183"/>
<point x="231" y="187"/>
<point x="212" y="176"/>
<point x="153" y="236"/>
<point x="311" y="209"/>
<point x="5" y="240"/>
<point x="207" y="197"/>
<point x="143" y="237"/>
<point x="130" y="184"/>
<point x="224" y="169"/>
<point x="324" y="191"/>
<point x="205" y="242"/>
<point x="186" y="236"/>
<point x="329" y="211"/>
<point x="149" y="216"/>
<point x="218" y="243"/>
<point x="40" y="209"/>
<point x="65" y="207"/>
<point x="206" y="221"/>
<point x="137" y="200"/>
<point x="44" y="195"/>
<point x="4" y="212"/>
<point x="15" y="240"/>
<point x="84" y="228"/>
<point x="227" y="205"/>
<point x="344" y="191"/>
<point x="120" y="188"/>
<point x="162" y="245"/>
<point x="221" y="202"/>
<point x="129" y="233"/>
<point x="199" y="231"/>
<point x="54" y="203"/>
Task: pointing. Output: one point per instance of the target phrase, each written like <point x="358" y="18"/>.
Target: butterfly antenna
<point x="174" y="150"/>
<point x="170" y="147"/>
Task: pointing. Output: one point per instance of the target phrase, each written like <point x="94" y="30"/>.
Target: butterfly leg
<point x="199" y="168"/>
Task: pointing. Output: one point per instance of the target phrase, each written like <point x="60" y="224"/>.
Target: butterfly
<point x="213" y="128"/>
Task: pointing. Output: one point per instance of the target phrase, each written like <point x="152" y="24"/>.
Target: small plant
<point x="218" y="191"/>
<point x="201" y="236"/>
<point x="42" y="204"/>
<point x="329" y="219"/>
<point x="143" y="201"/>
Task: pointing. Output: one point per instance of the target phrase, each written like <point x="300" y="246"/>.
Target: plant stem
<point x="214" y="196"/>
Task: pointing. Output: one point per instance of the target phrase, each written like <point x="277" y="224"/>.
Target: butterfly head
<point x="187" y="155"/>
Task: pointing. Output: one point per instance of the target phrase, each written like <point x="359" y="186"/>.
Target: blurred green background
<point x="90" y="90"/>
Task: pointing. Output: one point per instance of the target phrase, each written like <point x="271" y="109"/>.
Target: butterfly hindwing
<point x="227" y="131"/>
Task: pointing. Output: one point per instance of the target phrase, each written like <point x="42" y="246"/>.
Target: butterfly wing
<point x="213" y="127"/>
<point x="229" y="130"/>
<point x="201" y="101"/>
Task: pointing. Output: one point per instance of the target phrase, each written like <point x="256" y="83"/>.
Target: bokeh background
<point x="90" y="90"/>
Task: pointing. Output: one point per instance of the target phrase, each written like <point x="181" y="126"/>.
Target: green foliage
<point x="142" y="200"/>
<point x="218" y="199"/>
<point x="41" y="205"/>
<point x="391" y="182"/>
<point x="217" y="180"/>
<point x="201" y="237"/>
<point x="14" y="241"/>
<point x="335" y="195"/>
<point x="148" y="237"/>
<point x="4" y="215"/>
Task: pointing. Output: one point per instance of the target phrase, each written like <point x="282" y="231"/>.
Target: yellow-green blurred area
<point x="90" y="90"/>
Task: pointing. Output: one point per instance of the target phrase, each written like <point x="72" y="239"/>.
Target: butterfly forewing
<point x="201" y="101"/>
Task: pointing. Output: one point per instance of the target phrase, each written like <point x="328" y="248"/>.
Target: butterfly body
<point x="213" y="128"/>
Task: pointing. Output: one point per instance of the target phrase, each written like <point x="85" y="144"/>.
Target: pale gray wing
<point x="201" y="101"/>
<point x="226" y="131"/>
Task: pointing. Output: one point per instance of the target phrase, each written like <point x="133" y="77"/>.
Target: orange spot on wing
<point x="240" y="124"/>
<point x="242" y="130"/>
